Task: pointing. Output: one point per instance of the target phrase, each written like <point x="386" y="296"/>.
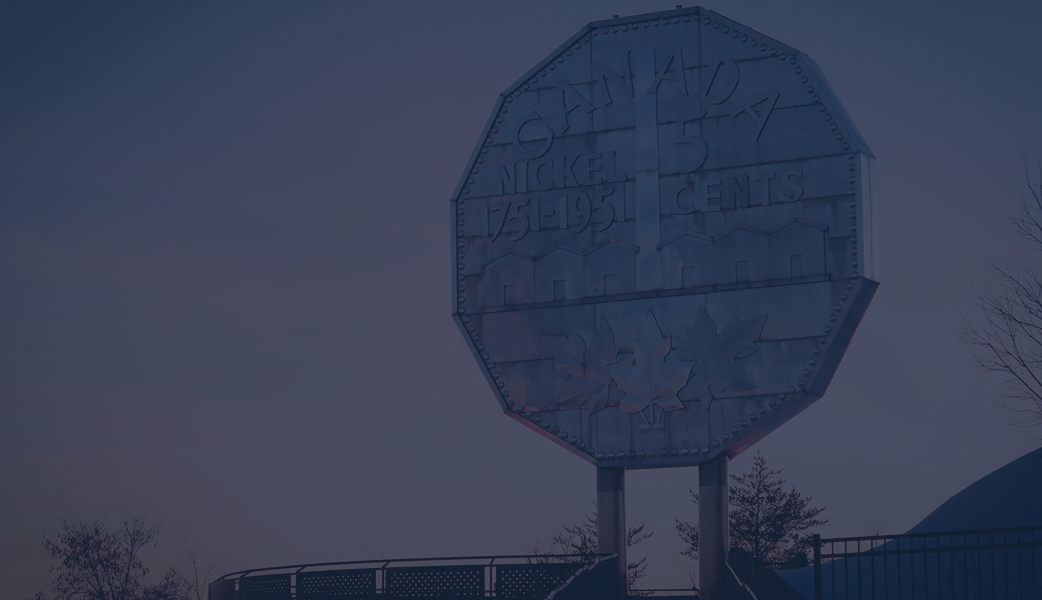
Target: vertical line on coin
<point x="647" y="201"/>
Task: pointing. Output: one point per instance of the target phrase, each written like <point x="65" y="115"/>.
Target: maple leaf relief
<point x="587" y="371"/>
<point x="655" y="374"/>
<point x="715" y="356"/>
<point x="697" y="363"/>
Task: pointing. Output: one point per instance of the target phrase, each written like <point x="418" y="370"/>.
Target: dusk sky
<point x="225" y="278"/>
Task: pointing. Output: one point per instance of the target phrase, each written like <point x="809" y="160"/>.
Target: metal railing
<point x="635" y="593"/>
<point x="743" y="590"/>
<point x="985" y="564"/>
<point x="516" y="577"/>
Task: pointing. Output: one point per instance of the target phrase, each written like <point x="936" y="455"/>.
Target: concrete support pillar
<point x="712" y="528"/>
<point x="611" y="519"/>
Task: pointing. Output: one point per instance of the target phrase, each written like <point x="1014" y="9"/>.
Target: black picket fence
<point x="988" y="564"/>
<point x="522" y="577"/>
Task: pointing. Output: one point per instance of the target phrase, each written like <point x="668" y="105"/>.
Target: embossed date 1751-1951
<point x="598" y="207"/>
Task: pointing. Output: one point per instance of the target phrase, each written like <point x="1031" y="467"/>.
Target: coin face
<point x="662" y="244"/>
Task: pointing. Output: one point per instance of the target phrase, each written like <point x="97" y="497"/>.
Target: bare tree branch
<point x="1005" y="334"/>
<point x="581" y="538"/>
<point x="197" y="571"/>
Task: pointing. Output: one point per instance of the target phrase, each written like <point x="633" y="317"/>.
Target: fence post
<point x="817" y="567"/>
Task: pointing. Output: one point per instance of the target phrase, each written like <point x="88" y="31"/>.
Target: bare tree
<point x="1005" y="335"/>
<point x="876" y="528"/>
<point x="99" y="560"/>
<point x="194" y="572"/>
<point x="581" y="538"/>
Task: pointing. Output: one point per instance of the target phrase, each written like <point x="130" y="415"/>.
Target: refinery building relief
<point x="795" y="250"/>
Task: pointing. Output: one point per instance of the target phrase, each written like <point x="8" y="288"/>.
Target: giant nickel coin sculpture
<point x="662" y="244"/>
